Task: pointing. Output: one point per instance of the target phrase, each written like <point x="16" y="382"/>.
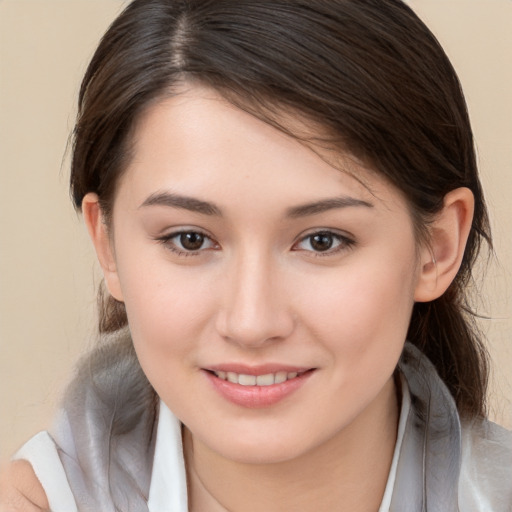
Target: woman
<point x="280" y="195"/>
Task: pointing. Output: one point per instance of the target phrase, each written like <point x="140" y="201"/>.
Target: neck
<point x="347" y="473"/>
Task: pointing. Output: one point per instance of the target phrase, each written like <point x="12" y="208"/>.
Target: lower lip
<point x="254" y="397"/>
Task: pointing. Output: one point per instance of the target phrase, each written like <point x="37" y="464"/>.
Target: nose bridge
<point x="255" y="311"/>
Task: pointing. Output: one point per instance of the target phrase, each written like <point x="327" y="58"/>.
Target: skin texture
<point x="20" y="490"/>
<point x="256" y="291"/>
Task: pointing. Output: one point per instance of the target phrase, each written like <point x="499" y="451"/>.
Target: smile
<point x="268" y="379"/>
<point x="262" y="387"/>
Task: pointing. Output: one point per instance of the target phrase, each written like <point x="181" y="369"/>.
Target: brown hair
<point x="369" y="72"/>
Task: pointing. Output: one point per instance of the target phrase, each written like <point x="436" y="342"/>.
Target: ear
<point x="103" y="243"/>
<point x="441" y="258"/>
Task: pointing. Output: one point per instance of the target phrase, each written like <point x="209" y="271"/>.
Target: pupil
<point x="191" y="241"/>
<point x="321" y="242"/>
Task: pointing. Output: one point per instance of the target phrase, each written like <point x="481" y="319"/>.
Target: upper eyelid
<point x="331" y="231"/>
<point x="342" y="235"/>
<point x="167" y="237"/>
<point x="172" y="232"/>
<point x="346" y="241"/>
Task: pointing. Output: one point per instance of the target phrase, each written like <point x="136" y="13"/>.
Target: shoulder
<point x="20" y="489"/>
<point x="39" y="464"/>
<point x="486" y="467"/>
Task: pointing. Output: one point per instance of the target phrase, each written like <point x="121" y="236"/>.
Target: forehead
<point x="197" y="142"/>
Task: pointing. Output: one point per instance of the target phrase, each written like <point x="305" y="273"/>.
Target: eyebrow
<point x="206" y="208"/>
<point x="324" y="205"/>
<point x="184" y="202"/>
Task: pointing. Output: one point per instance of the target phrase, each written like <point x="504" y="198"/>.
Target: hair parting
<point x="366" y="76"/>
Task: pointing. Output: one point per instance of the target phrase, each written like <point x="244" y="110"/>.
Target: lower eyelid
<point x="167" y="241"/>
<point x="343" y="243"/>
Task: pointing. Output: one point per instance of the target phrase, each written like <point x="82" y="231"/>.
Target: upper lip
<point x="263" y="369"/>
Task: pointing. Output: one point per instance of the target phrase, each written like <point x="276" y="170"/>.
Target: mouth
<point x="268" y="379"/>
<point x="259" y="388"/>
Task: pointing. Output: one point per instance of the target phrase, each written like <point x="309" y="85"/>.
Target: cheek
<point x="363" y="303"/>
<point x="166" y="305"/>
<point x="167" y="312"/>
<point x="361" y="318"/>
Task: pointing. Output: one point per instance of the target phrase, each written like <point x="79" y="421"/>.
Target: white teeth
<point x="265" y="380"/>
<point x="253" y="380"/>
<point x="281" y="377"/>
<point x="247" y="380"/>
<point x="232" y="377"/>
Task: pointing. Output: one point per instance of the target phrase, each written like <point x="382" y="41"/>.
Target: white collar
<point x="404" y="413"/>
<point x="168" y="491"/>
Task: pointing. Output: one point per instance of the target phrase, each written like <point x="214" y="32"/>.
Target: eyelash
<point x="167" y="241"/>
<point x="343" y="243"/>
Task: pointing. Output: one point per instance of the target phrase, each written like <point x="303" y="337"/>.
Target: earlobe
<point x="101" y="239"/>
<point x="441" y="259"/>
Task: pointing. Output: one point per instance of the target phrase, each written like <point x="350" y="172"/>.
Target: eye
<point x="187" y="242"/>
<point x="324" y="242"/>
<point x="190" y="241"/>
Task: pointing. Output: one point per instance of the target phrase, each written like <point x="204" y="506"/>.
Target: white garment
<point x="168" y="490"/>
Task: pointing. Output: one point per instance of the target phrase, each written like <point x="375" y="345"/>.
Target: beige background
<point x="47" y="270"/>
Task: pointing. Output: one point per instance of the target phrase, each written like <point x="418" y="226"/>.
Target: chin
<point x="261" y="446"/>
<point x="261" y="454"/>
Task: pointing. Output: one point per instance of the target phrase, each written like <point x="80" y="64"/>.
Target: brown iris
<point x="192" y="241"/>
<point x="321" y="242"/>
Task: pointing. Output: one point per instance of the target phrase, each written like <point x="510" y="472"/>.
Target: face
<point x="268" y="293"/>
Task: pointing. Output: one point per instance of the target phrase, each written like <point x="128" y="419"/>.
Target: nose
<point x="256" y="309"/>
